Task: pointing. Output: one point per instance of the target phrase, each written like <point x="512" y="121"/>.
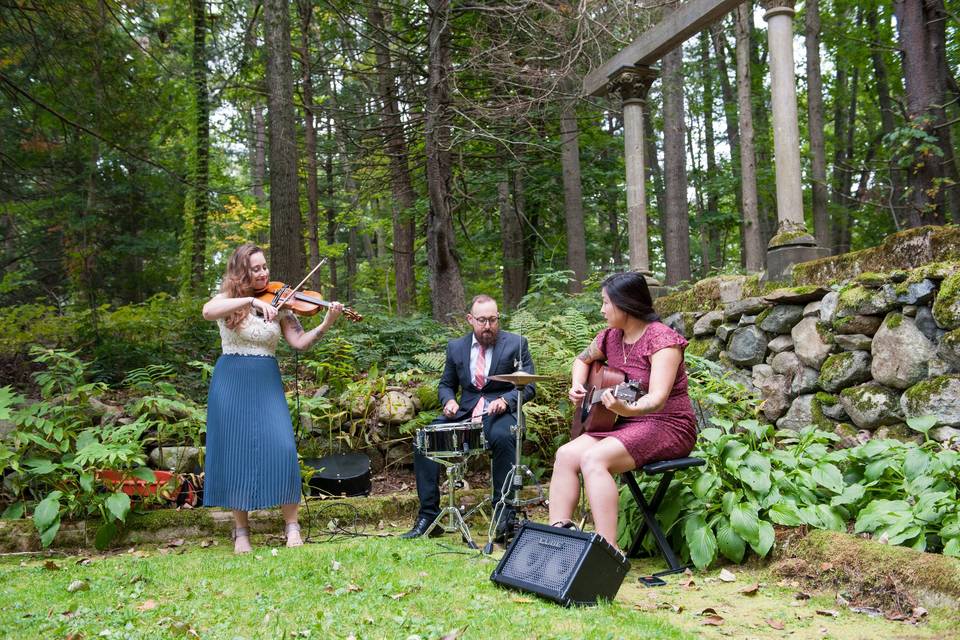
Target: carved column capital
<point x="632" y="83"/>
<point x="778" y="7"/>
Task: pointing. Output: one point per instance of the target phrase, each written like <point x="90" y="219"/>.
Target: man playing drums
<point x="471" y="360"/>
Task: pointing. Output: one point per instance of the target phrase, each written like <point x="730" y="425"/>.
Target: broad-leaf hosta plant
<point x="756" y="477"/>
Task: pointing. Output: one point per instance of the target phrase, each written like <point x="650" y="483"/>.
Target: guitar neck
<point x="628" y="391"/>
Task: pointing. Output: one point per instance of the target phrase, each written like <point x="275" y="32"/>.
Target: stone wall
<point x="857" y="357"/>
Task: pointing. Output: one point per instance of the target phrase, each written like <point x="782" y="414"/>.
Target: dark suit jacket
<point x="457" y="375"/>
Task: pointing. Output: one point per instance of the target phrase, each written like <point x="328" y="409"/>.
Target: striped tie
<point x="480" y="379"/>
<point x="479" y="374"/>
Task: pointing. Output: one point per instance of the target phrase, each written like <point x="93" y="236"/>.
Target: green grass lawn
<point x="360" y="588"/>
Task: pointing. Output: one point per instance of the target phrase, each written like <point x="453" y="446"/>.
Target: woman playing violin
<point x="251" y="457"/>
<point x="659" y="425"/>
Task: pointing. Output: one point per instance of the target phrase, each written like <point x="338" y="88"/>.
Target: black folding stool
<point x="666" y="469"/>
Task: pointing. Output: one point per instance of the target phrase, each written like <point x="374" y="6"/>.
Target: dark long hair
<point x="629" y="292"/>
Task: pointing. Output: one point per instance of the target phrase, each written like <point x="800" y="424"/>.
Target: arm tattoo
<point x="591" y="353"/>
<point x="295" y="324"/>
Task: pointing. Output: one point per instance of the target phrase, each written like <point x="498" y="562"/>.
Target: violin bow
<point x="307" y="277"/>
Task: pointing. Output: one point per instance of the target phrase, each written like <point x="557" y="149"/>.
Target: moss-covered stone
<point x="871" y="567"/>
<point x="793" y="236"/>
<point x="904" y="250"/>
<point x="699" y="346"/>
<point x="938" y="396"/>
<point x="872" y="279"/>
<point x="826" y="399"/>
<point x="893" y="320"/>
<point x="946" y="306"/>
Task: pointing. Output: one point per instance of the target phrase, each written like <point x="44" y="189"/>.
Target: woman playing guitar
<point x="659" y="425"/>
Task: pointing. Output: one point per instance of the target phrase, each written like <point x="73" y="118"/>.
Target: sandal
<point x="292" y="531"/>
<point x="241" y="540"/>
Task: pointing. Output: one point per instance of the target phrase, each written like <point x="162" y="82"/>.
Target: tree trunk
<point x="333" y="290"/>
<point x="305" y="9"/>
<point x="446" y="285"/>
<point x="286" y="236"/>
<point x="921" y="26"/>
<point x="818" y="151"/>
<point x="753" y="247"/>
<point x="612" y="189"/>
<point x="887" y="121"/>
<point x="676" y="240"/>
<point x="712" y="213"/>
<point x="258" y="164"/>
<point x="654" y="176"/>
<point x="201" y="152"/>
<point x="572" y="196"/>
<point x="730" y="116"/>
<point x="763" y="145"/>
<point x="511" y="241"/>
<point x="404" y="229"/>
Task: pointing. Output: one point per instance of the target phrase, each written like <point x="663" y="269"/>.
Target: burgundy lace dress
<point x="669" y="433"/>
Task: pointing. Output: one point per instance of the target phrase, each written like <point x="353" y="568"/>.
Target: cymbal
<point x="518" y="378"/>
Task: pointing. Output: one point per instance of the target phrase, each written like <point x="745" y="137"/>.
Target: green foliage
<point x="50" y="459"/>
<point x="756" y="477"/>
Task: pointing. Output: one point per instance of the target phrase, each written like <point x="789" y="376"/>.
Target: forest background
<point x="433" y="150"/>
<point x="428" y="151"/>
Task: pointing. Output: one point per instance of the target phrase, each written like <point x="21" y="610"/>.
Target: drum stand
<point x="513" y="483"/>
<point x="456" y="516"/>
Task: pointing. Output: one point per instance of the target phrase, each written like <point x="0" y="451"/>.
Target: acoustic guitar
<point x="591" y="415"/>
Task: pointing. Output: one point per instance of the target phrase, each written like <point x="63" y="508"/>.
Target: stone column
<point x="632" y="85"/>
<point x="792" y="242"/>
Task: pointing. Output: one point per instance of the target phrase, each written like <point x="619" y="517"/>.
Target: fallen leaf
<point x="78" y="585"/>
<point x="148" y="605"/>
<point x="826" y="566"/>
<point x="828" y="612"/>
<point x="727" y="576"/>
<point x="709" y="611"/>
<point x="776" y="624"/>
<point x="751" y="590"/>
<point x="328" y="588"/>
<point x="521" y="600"/>
<point x="353" y="588"/>
<point x="715" y="621"/>
<point x="50" y="565"/>
<point x="336" y="566"/>
<point x="688" y="582"/>
<point x="397" y="596"/>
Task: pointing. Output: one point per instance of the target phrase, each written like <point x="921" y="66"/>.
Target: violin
<point x="302" y="303"/>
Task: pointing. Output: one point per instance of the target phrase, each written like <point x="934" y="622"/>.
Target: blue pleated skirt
<point x="251" y="456"/>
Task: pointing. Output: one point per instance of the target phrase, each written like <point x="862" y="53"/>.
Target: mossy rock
<point x="946" y="306"/>
<point x="869" y="567"/>
<point x="939" y="396"/>
<point x="900" y="251"/>
<point x="872" y="279"/>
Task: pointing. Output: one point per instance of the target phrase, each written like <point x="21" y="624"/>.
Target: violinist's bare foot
<point x="241" y="540"/>
<point x="292" y="529"/>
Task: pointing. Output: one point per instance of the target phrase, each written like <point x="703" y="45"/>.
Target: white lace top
<point x="254" y="337"/>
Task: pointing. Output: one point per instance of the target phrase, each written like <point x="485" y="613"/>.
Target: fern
<point x="431" y="361"/>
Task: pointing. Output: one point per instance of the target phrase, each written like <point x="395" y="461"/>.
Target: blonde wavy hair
<point x="237" y="282"/>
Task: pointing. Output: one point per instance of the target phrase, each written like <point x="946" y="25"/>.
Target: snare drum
<point x="453" y="440"/>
